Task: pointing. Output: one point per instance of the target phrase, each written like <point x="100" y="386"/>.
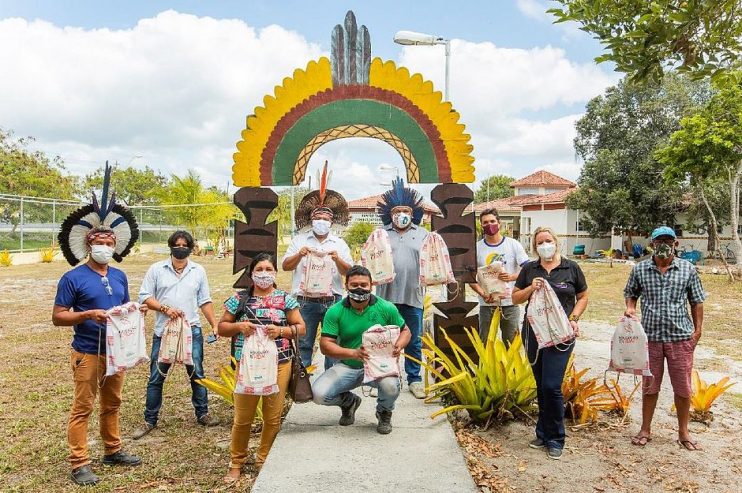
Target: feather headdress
<point x="108" y="213"/>
<point x="400" y="195"/>
<point x="322" y="200"/>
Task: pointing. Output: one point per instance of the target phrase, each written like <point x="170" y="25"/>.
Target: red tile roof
<point x="550" y="198"/>
<point x="369" y="203"/>
<point x="543" y="178"/>
<point x="507" y="204"/>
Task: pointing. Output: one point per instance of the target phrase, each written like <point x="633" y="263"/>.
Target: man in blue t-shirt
<point x="84" y="295"/>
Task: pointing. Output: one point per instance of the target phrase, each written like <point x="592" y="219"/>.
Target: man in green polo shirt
<point x="342" y="332"/>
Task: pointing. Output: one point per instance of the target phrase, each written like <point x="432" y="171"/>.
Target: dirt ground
<point x="182" y="456"/>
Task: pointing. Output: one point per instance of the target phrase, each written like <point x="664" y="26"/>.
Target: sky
<point x="169" y="84"/>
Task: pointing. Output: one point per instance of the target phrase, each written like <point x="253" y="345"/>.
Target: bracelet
<point x="280" y="332"/>
<point x="164" y="308"/>
<point x="574" y="318"/>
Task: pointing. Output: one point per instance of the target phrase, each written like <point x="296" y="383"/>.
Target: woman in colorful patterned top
<point x="263" y="304"/>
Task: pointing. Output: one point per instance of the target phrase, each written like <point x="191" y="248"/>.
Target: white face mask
<point x="402" y="220"/>
<point x="321" y="227"/>
<point x="101" y="253"/>
<point x="546" y="250"/>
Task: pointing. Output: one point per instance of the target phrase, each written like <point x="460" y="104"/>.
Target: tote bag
<point x="376" y="256"/>
<point x="176" y="345"/>
<point x="317" y="276"/>
<point x="258" y="369"/>
<point x="547" y="318"/>
<point x="488" y="280"/>
<point x="629" y="348"/>
<point x="435" y="263"/>
<point x="379" y="342"/>
<point x="126" y="345"/>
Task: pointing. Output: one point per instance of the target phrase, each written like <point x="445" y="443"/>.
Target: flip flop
<point x="640" y="440"/>
<point x="689" y="445"/>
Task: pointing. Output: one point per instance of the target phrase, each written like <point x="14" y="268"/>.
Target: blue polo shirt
<point x="83" y="289"/>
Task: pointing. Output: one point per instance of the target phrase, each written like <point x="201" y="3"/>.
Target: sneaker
<point x="537" y="443"/>
<point x="83" y="476"/>
<point x="418" y="390"/>
<point x="146" y="428"/>
<point x="207" y="420"/>
<point x="349" y="413"/>
<point x="121" y="458"/>
<point x="385" y="422"/>
<point x="554" y="453"/>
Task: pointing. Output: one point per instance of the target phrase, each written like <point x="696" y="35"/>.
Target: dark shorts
<point x="679" y="356"/>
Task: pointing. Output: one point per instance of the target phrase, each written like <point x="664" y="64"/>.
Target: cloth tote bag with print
<point x="378" y="340"/>
<point x="317" y="276"/>
<point x="488" y="280"/>
<point x="547" y="318"/>
<point x="629" y="348"/>
<point x="126" y="346"/>
<point x="258" y="369"/>
<point x="435" y="263"/>
<point x="376" y="256"/>
<point x="176" y="345"/>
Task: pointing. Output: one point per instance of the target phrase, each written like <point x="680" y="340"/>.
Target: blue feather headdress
<point x="109" y="214"/>
<point x="400" y="195"/>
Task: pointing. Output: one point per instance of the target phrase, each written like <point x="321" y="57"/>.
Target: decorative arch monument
<point x="351" y="95"/>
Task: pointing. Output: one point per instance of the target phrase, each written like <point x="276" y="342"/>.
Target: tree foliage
<point x="493" y="188"/>
<point x="621" y="182"/>
<point x="644" y="38"/>
<point x="357" y="234"/>
<point x="282" y="213"/>
<point x="133" y="186"/>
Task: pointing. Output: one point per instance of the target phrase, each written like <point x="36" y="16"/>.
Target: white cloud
<point x="536" y="10"/>
<point x="570" y="171"/>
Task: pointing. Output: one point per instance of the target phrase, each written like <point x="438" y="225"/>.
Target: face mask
<point x="101" y="253"/>
<point x="359" y="294"/>
<point x="263" y="280"/>
<point x="180" y="252"/>
<point x="402" y="220"/>
<point x="663" y="251"/>
<point x="546" y="250"/>
<point x="491" y="229"/>
<point x="321" y="227"/>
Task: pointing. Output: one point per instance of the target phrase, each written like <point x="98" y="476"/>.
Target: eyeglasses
<point x="105" y="282"/>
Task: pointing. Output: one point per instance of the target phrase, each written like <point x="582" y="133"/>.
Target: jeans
<point x="333" y="387"/>
<point x="413" y="318"/>
<point x="157" y="372"/>
<point x="509" y="320"/>
<point x="244" y="414"/>
<point x="312" y="313"/>
<point x="88" y="372"/>
<point x="551" y="363"/>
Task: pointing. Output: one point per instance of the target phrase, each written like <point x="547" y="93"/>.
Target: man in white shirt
<point x="177" y="287"/>
<point x="319" y="239"/>
<point x="496" y="247"/>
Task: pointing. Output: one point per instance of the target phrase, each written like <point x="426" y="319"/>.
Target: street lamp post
<point x="412" y="38"/>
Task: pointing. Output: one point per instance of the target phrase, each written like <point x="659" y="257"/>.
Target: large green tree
<point x="645" y="38"/>
<point x="493" y="188"/>
<point x="708" y="146"/>
<point x="621" y="183"/>
<point x="282" y="213"/>
<point x="132" y="185"/>
<point x="30" y="173"/>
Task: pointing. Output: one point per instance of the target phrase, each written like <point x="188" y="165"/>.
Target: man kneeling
<point x="342" y="333"/>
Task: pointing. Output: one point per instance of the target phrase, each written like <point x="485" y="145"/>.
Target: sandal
<point x="640" y="440"/>
<point x="229" y="479"/>
<point x="689" y="445"/>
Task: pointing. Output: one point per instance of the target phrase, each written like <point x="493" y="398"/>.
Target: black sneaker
<point x="349" y="413"/>
<point x="121" y="458"/>
<point x="207" y="420"/>
<point x="83" y="476"/>
<point x="554" y="453"/>
<point x="537" y="443"/>
<point x="385" y="422"/>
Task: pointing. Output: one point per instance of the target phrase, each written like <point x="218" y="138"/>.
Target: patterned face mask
<point x="264" y="280"/>
<point x="663" y="251"/>
<point x="359" y="294"/>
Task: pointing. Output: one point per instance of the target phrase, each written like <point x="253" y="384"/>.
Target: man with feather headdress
<point x="98" y="232"/>
<point x="321" y="209"/>
<point x="401" y="211"/>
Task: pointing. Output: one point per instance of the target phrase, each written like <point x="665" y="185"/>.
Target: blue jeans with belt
<point x="313" y="312"/>
<point x="413" y="318"/>
<point x="158" y="371"/>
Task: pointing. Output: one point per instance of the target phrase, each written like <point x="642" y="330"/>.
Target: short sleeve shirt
<point x="512" y="255"/>
<point x="347" y="326"/>
<point x="567" y="280"/>
<point x="83" y="289"/>
<point x="329" y="244"/>
<point x="263" y="310"/>
<point x="405" y="289"/>
<point x="664" y="298"/>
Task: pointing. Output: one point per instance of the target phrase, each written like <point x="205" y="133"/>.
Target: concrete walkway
<point x="313" y="453"/>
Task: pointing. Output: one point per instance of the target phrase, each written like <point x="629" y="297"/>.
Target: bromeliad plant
<point x="583" y="399"/>
<point x="6" y="260"/>
<point x="704" y="395"/>
<point x="499" y="384"/>
<point x="225" y="387"/>
<point x="47" y="254"/>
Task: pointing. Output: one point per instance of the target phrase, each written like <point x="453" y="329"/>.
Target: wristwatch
<point x="574" y="318"/>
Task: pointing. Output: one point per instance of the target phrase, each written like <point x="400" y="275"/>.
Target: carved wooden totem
<point x="458" y="230"/>
<point x="256" y="235"/>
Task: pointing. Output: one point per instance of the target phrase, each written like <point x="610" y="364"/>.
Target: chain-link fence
<point x="31" y="223"/>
